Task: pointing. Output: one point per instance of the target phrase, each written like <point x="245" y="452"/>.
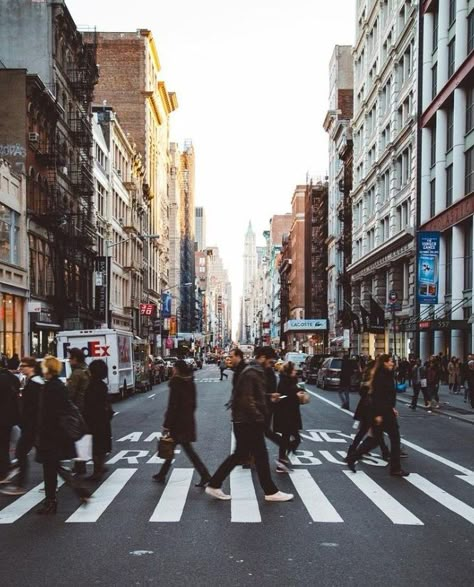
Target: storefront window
<point x="11" y="325"/>
<point x="9" y="235"/>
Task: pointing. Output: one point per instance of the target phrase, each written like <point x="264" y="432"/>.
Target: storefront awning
<point x="46" y="326"/>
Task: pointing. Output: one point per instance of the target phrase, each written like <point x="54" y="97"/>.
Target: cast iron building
<point x="447" y="169"/>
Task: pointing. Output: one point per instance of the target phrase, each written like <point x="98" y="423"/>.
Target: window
<point x="450" y="130"/>
<point x="470" y="109"/>
<point x="468" y="255"/>
<point x="452" y="11"/>
<point x="405" y="281"/>
<point x="432" y="197"/>
<point x="370" y="240"/>
<point x="385" y="229"/>
<point x="101" y="200"/>
<point x="434" y="80"/>
<point x="451" y="57"/>
<point x="449" y="263"/>
<point x="9" y="235"/>
<point x="403" y="215"/>
<point x="435" y="31"/>
<point x="433" y="146"/>
<point x="470" y="32"/>
<point x="370" y="202"/>
<point x="469" y="158"/>
<point x="449" y="185"/>
<point x="404" y="167"/>
<point x="385" y="187"/>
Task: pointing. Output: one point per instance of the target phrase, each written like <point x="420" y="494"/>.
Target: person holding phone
<point x="287" y="416"/>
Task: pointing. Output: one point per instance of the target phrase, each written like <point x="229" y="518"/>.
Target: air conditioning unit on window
<point x="33" y="137"/>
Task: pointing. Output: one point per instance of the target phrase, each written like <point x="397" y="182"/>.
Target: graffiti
<point x="12" y="151"/>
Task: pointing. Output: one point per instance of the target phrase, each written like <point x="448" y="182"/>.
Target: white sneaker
<point x="13" y="490"/>
<point x="9" y="476"/>
<point x="217" y="493"/>
<point x="279" y="496"/>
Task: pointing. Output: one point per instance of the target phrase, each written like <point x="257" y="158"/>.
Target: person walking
<point x="9" y="416"/>
<point x="180" y="422"/>
<point x="248" y="415"/>
<point x="347" y="369"/>
<point x="30" y="369"/>
<point x="77" y="386"/>
<point x="453" y="375"/>
<point x="98" y="414"/>
<point x="222" y="368"/>
<point x="384" y="397"/>
<point x="420" y="383"/>
<point x="287" y="416"/>
<point x="53" y="444"/>
<point x="470" y="381"/>
<point x="432" y="380"/>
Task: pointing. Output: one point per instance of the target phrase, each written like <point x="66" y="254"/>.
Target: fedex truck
<point x="115" y="347"/>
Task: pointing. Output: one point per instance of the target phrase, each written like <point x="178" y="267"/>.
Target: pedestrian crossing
<point x="208" y="380"/>
<point x="245" y="507"/>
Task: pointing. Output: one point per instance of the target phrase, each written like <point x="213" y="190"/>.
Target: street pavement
<point x="341" y="529"/>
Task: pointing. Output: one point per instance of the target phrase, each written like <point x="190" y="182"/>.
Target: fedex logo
<point x="93" y="349"/>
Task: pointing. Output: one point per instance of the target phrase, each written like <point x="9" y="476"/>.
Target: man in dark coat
<point x="249" y="415"/>
<point x="28" y="421"/>
<point x="347" y="369"/>
<point x="77" y="386"/>
<point x="179" y="420"/>
<point x="9" y="415"/>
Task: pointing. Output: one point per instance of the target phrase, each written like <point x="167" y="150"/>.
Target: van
<point x="298" y="359"/>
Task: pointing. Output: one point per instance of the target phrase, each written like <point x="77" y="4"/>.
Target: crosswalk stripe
<point x="24" y="504"/>
<point x="244" y="505"/>
<point x="393" y="509"/>
<point x="467" y="478"/>
<point x="173" y="499"/>
<point x="102" y="497"/>
<point x="443" y="497"/>
<point x="319" y="507"/>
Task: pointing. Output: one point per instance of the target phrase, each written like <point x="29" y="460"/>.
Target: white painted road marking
<point x="24" y="504"/>
<point x="443" y="497"/>
<point x="412" y="445"/>
<point x="393" y="509"/>
<point x="171" y="505"/>
<point x="152" y="396"/>
<point x="244" y="505"/>
<point x="319" y="507"/>
<point x="468" y="478"/>
<point x="102" y="497"/>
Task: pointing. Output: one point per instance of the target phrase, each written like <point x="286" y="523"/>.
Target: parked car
<point x="329" y="374"/>
<point x="192" y="363"/>
<point x="298" y="359"/>
<point x="311" y="367"/>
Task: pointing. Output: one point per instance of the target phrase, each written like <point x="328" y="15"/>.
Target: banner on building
<point x="101" y="274"/>
<point x="173" y="324"/>
<point x="427" y="270"/>
<point x="377" y="317"/>
<point x="166" y="305"/>
<point x="148" y="310"/>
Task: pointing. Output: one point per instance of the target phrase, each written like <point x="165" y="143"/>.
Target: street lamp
<point x="109" y="245"/>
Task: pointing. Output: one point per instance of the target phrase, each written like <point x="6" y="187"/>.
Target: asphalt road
<point x="341" y="529"/>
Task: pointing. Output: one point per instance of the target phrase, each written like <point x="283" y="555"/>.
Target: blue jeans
<point x="344" y="396"/>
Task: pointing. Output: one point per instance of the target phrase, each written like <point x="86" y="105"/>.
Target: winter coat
<point x="384" y="395"/>
<point x="52" y="443"/>
<point x="179" y="418"/>
<point x="364" y="409"/>
<point x="77" y="385"/>
<point x="97" y="414"/>
<point x="9" y="391"/>
<point x="347" y="369"/>
<point x="249" y="398"/>
<point x="29" y="405"/>
<point x="453" y="373"/>
<point x="432" y="375"/>
<point x="286" y="412"/>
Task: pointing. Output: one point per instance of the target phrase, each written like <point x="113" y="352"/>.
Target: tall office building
<point x="200" y="229"/>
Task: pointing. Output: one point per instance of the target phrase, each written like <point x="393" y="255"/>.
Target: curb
<point x="462" y="417"/>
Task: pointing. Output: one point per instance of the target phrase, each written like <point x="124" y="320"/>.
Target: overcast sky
<point x="251" y="78"/>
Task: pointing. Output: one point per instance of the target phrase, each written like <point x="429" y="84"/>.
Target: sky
<point x="251" y="77"/>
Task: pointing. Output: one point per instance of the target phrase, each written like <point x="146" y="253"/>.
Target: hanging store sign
<point x="305" y="325"/>
<point x="147" y="309"/>
<point x="427" y="267"/>
<point x="166" y="305"/>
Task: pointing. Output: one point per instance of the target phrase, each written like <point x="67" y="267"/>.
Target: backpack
<point x="72" y="423"/>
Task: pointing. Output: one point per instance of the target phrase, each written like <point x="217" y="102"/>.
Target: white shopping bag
<point x="84" y="448"/>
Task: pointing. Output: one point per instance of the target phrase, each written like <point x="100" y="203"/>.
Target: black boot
<point x="159" y="478"/>
<point x="350" y="452"/>
<point x="79" y="468"/>
<point x="48" y="507"/>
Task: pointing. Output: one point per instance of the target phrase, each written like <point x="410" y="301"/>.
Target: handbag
<point x="72" y="423"/>
<point x="401" y="387"/>
<point x="303" y="397"/>
<point x="424" y="382"/>
<point x="166" y="446"/>
<point x="84" y="448"/>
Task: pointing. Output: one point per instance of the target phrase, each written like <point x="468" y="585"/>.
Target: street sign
<point x="147" y="309"/>
<point x="393" y="296"/>
<point x="394" y="307"/>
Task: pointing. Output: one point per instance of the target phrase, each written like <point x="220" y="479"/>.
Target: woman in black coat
<point x="52" y="443"/>
<point x="287" y="416"/>
<point x="179" y="420"/>
<point x="97" y="414"/>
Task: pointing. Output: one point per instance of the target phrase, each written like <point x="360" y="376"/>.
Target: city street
<point x="341" y="529"/>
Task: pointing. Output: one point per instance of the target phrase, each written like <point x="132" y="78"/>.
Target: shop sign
<point x="305" y="325"/>
<point x="37" y="308"/>
<point x="147" y="309"/>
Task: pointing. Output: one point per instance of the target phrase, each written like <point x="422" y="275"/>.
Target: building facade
<point x="200" y="228"/>
<point x="336" y="124"/>
<point x="447" y="170"/>
<point x="384" y="177"/>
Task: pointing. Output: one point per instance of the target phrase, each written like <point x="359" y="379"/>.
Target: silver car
<point x="329" y="375"/>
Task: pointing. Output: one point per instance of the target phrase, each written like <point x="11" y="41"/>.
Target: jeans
<point x="193" y="457"/>
<point x="223" y="374"/>
<point x="390" y="426"/>
<point x="249" y="439"/>
<point x="344" y="396"/>
<point x="5" y="434"/>
<point x="416" y="392"/>
<point x="23" y="447"/>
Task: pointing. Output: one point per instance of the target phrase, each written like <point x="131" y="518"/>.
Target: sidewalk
<point x="449" y="404"/>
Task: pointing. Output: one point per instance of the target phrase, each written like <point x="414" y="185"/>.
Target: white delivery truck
<point x="115" y="347"/>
